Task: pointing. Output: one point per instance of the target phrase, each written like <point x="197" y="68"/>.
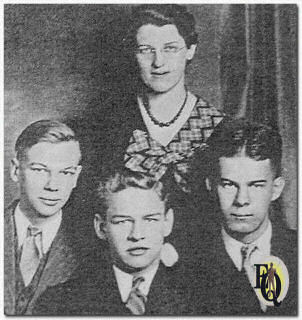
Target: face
<point x="164" y="68"/>
<point x="245" y="191"/>
<point x="135" y="228"/>
<point x="46" y="177"/>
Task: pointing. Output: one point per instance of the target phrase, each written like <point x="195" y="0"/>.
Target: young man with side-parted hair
<point x="37" y="250"/>
<point x="242" y="166"/>
<point x="137" y="273"/>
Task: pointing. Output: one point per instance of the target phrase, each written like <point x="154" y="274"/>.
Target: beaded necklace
<point x="157" y="122"/>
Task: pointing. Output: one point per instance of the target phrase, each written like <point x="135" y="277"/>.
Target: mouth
<point x="241" y="216"/>
<point x="159" y="74"/>
<point x="138" y="251"/>
<point x="49" y="202"/>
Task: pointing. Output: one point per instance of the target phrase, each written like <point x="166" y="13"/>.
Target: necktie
<point x="31" y="254"/>
<point x="136" y="300"/>
<point x="247" y="267"/>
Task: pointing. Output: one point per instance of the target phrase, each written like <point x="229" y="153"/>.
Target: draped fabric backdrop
<point x="61" y="60"/>
<point x="259" y="78"/>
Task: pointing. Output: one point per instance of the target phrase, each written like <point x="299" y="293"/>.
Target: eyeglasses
<point x="168" y="51"/>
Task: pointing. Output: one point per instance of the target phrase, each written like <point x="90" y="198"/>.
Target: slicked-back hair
<point x="160" y="15"/>
<point x="42" y="131"/>
<point x="122" y="179"/>
<point x="239" y="137"/>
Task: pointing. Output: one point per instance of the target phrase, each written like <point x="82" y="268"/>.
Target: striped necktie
<point x="136" y="300"/>
<point x="31" y="254"/>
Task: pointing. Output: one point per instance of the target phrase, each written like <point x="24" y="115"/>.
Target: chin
<point x="243" y="228"/>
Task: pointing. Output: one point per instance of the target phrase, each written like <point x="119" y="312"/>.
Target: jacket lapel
<point x="60" y="265"/>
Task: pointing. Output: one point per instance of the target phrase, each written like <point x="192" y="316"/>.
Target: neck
<point x="164" y="106"/>
<point x="249" y="237"/>
<point x="34" y="217"/>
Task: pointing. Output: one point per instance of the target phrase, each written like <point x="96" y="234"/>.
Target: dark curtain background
<point x="64" y="61"/>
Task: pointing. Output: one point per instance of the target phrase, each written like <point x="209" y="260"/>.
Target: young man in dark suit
<point x="38" y="252"/>
<point x="243" y="169"/>
<point x="135" y="272"/>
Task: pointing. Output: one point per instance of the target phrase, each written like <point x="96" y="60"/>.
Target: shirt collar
<point x="124" y="281"/>
<point x="49" y="229"/>
<point x="233" y="246"/>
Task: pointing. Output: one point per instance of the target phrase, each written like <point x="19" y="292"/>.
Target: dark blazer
<point x="228" y="291"/>
<point x="60" y="264"/>
<point x="95" y="292"/>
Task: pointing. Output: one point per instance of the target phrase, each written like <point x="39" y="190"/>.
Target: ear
<point x="191" y="52"/>
<point x="278" y="186"/>
<point x="169" y="220"/>
<point x="100" y="226"/>
<point x="208" y="184"/>
<point x="15" y="170"/>
<point x="76" y="176"/>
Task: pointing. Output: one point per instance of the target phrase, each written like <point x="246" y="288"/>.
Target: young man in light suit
<point x="243" y="169"/>
<point x="136" y="273"/>
<point x="38" y="251"/>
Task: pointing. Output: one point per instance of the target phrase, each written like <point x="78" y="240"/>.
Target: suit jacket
<point x="95" y="292"/>
<point x="60" y="264"/>
<point x="228" y="291"/>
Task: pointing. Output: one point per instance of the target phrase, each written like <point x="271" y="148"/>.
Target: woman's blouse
<point x="145" y="154"/>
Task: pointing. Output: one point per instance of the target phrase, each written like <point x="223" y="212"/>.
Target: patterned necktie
<point x="136" y="300"/>
<point x="246" y="252"/>
<point x="31" y="254"/>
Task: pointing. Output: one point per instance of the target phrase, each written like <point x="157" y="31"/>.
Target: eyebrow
<point x="152" y="215"/>
<point x="172" y="42"/>
<point x="120" y="216"/>
<point x="37" y="164"/>
<point x="165" y="44"/>
<point x="249" y="183"/>
<point x="45" y="166"/>
<point x="71" y="167"/>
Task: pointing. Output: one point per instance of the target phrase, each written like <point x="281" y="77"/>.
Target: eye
<point x="38" y="169"/>
<point x="68" y="173"/>
<point x="228" y="185"/>
<point x="172" y="49"/>
<point x="145" y="50"/>
<point x="151" y="219"/>
<point x="258" y="185"/>
<point x="120" y="221"/>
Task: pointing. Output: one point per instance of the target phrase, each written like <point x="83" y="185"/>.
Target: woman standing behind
<point x="175" y="122"/>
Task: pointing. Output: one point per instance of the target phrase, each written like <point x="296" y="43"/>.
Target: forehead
<point x="60" y="154"/>
<point x="245" y="169"/>
<point x="135" y="202"/>
<point x="158" y="34"/>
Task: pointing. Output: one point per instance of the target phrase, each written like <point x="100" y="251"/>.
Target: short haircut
<point x="124" y="178"/>
<point x="42" y="131"/>
<point x="160" y="15"/>
<point x="233" y="137"/>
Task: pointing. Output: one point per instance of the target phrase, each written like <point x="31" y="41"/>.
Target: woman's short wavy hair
<point x="160" y="15"/>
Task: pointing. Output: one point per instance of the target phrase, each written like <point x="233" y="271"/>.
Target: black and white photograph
<point x="150" y="159"/>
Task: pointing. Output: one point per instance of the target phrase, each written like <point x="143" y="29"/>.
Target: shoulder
<point x="206" y="109"/>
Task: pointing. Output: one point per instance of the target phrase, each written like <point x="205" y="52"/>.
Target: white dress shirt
<point x="124" y="281"/>
<point x="49" y="228"/>
<point x="262" y="249"/>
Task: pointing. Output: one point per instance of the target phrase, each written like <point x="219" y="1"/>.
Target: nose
<point x="158" y="59"/>
<point x="242" y="197"/>
<point x="52" y="183"/>
<point x="137" y="232"/>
